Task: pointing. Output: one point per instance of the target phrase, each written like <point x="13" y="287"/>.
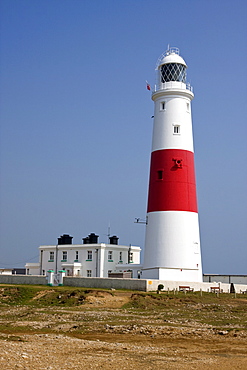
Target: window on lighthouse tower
<point x="162" y="105"/>
<point x="160" y="174"/>
<point x="176" y="129"/>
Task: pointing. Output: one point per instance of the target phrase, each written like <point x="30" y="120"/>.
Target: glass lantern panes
<point x="173" y="72"/>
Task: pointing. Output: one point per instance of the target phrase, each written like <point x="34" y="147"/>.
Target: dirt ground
<point x="102" y="334"/>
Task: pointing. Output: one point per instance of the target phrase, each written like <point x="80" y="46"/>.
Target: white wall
<point x="152" y="285"/>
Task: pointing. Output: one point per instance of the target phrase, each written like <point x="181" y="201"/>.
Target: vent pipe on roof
<point x="91" y="239"/>
<point x="113" y="239"/>
<point x="64" y="239"/>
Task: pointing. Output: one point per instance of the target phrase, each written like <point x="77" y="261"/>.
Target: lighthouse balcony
<point x="173" y="85"/>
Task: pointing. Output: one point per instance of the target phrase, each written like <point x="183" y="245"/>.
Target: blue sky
<point x="76" y="121"/>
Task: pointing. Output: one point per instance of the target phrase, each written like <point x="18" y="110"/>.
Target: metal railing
<point x="172" y="85"/>
<point x="170" y="50"/>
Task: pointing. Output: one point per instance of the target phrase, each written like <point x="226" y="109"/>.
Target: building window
<point x="131" y="257"/>
<point x="65" y="255"/>
<point x="76" y="256"/>
<point x="89" y="273"/>
<point x="51" y="259"/>
<point x="162" y="105"/>
<point x="160" y="174"/>
<point x="89" y="255"/>
<point x="120" y="256"/>
<point x="188" y="107"/>
<point x="176" y="129"/>
<point x="110" y="258"/>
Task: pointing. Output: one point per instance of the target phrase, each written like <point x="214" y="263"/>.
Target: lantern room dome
<point x="171" y="66"/>
<point x="170" y="56"/>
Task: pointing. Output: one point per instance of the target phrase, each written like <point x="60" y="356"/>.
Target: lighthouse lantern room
<point x="172" y="243"/>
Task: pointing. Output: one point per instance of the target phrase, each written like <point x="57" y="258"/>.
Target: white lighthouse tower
<point x="172" y="245"/>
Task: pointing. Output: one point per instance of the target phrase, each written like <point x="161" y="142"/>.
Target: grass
<point x="221" y="312"/>
<point x="40" y="296"/>
<point x="51" y="307"/>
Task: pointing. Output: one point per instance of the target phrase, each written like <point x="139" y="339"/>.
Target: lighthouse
<point x="172" y="242"/>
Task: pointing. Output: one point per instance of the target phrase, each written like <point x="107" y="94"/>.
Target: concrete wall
<point x="106" y="283"/>
<point x="23" y="279"/>
<point x="111" y="283"/>
<point x="147" y="285"/>
<point x="152" y="285"/>
<point x="235" y="279"/>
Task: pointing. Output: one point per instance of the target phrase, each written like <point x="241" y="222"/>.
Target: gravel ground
<point x="101" y="335"/>
<point x="50" y="352"/>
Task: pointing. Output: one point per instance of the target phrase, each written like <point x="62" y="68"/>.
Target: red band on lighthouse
<point x="172" y="185"/>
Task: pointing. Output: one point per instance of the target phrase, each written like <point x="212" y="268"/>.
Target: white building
<point x="90" y="259"/>
<point x="5" y="271"/>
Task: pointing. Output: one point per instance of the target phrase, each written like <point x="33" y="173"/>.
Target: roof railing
<point x="170" y="50"/>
